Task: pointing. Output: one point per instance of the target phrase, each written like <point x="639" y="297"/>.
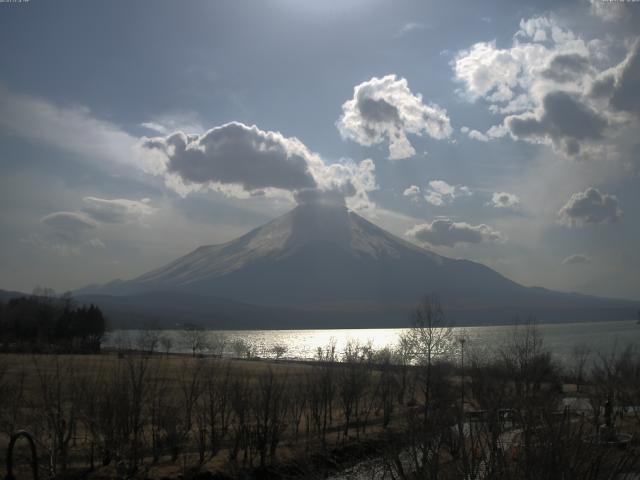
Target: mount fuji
<point x="323" y="265"/>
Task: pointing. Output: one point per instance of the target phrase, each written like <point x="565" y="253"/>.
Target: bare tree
<point x="166" y="341"/>
<point x="12" y="393"/>
<point x="270" y="408"/>
<point x="279" y="350"/>
<point x="427" y="341"/>
<point x="387" y="384"/>
<point x="298" y="392"/>
<point x="580" y="355"/>
<point x="195" y="339"/>
<point x="242" y="348"/>
<point x="148" y="340"/>
<point x="217" y="405"/>
<point x="58" y="412"/>
<point x="217" y="344"/>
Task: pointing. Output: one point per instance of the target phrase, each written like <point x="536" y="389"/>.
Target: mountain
<point x="322" y="265"/>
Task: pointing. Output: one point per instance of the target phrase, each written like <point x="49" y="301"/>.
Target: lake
<point x="560" y="339"/>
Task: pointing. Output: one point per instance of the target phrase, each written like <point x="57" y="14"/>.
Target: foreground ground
<point x="131" y="415"/>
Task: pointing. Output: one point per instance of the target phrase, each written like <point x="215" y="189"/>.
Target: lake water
<point x="560" y="339"/>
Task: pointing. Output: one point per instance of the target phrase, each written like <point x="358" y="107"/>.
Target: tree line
<point x="45" y="322"/>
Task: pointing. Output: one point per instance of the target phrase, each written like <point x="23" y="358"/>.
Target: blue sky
<point x="503" y="132"/>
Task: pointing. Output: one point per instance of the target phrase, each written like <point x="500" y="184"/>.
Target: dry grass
<point x="173" y="371"/>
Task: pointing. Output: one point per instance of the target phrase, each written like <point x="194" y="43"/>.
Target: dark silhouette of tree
<point x="44" y="322"/>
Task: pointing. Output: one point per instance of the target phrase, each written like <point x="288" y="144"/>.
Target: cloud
<point x="117" y="210"/>
<point x="68" y="222"/>
<point x="505" y="200"/>
<point x="627" y="83"/>
<point x="609" y="11"/>
<point x="553" y="87"/>
<point x="72" y="129"/>
<point x="237" y="154"/>
<point x="66" y="233"/>
<point x="562" y="120"/>
<point x="487" y="71"/>
<point x="441" y="193"/>
<point x="475" y="134"/>
<point x="234" y="159"/>
<point x="590" y="208"/>
<point x="386" y="109"/>
<point x="344" y="183"/>
<point x="566" y="67"/>
<point x="576" y="259"/>
<point x="445" y="232"/>
<point x="412" y="192"/>
<point x="185" y="122"/>
<point x="69" y="232"/>
<point x="244" y="161"/>
<point x="409" y="27"/>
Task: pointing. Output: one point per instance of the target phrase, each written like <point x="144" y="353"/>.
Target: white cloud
<point x="386" y="109"/>
<point x="576" y="259"/>
<point x="590" y="208"/>
<point x="487" y="71"/>
<point x="476" y="135"/>
<point x="441" y="193"/>
<point x="347" y="181"/>
<point x="412" y="192"/>
<point x="183" y="122"/>
<point x="117" y="210"/>
<point x="445" y="232"/>
<point x="544" y="84"/>
<point x="505" y="200"/>
<point x="409" y="27"/>
<point x="73" y="129"/>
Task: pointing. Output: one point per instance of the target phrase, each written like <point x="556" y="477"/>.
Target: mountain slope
<point x="325" y="262"/>
<point x="317" y="253"/>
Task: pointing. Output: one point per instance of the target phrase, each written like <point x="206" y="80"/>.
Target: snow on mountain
<point x="318" y="231"/>
<point x="330" y="262"/>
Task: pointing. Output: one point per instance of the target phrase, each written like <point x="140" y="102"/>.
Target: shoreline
<point x="408" y="326"/>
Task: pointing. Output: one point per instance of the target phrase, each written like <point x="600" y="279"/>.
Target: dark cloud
<point x="626" y="96"/>
<point x="445" y="232"/>
<point x="243" y="161"/>
<point x="590" y="208"/>
<point x="566" y="67"/>
<point x="377" y="111"/>
<point x="563" y="119"/>
<point x="237" y="154"/>
<point x="603" y="86"/>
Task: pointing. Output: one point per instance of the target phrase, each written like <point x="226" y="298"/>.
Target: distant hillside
<point x="325" y="266"/>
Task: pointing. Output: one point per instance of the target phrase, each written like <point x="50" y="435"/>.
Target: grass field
<point x="133" y="415"/>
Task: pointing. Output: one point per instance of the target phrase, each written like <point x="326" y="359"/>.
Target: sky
<point x="502" y="132"/>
